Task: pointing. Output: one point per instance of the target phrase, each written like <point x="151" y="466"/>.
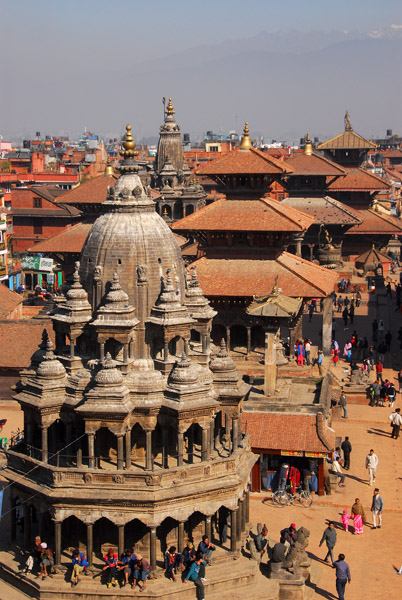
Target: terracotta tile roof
<point x="49" y="192"/>
<point x="244" y="162"/>
<point x="374" y="222"/>
<point x="277" y="431"/>
<point x="359" y="180"/>
<point x="313" y="164"/>
<point x="19" y="339"/>
<point x="8" y="301"/>
<point x="70" y="240"/>
<point x="348" y="140"/>
<point x="325" y="210"/>
<point x="393" y="173"/>
<point x="265" y="214"/>
<point x="256" y="277"/>
<point x="392" y="153"/>
<point x="92" y="191"/>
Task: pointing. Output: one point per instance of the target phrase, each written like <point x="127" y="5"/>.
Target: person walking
<point x="378" y="369"/>
<point x="376" y="388"/>
<point x="343" y="577"/>
<point x="396" y="422"/>
<point x="342" y="402"/>
<point x="346" y="449"/>
<point x="329" y="537"/>
<point x="345" y="314"/>
<point x="359" y="517"/>
<point x="351" y="312"/>
<point x="371" y="465"/>
<point x="336" y="470"/>
<point x="318" y="362"/>
<point x="377" y="506"/>
<point x="391" y="395"/>
<point x="307" y="349"/>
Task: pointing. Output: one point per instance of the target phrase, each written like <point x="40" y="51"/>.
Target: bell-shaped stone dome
<point x="50" y="367"/>
<point x="132" y="240"/>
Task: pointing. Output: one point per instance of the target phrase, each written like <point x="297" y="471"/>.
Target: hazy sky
<point x="66" y="65"/>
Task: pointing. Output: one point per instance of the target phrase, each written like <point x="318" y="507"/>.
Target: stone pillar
<point x="152" y="548"/>
<point x="102" y="351"/>
<point x="90" y="543"/>
<point x="148" y="456"/>
<point x="27" y="527"/>
<point x="79" y="455"/>
<point x="91" y="450"/>
<point x="270" y="364"/>
<point x="248" y="340"/>
<point x="243" y="513"/>
<point x="180" y="444"/>
<point x="233" y="529"/>
<point x="166" y="352"/>
<point x="180" y="536"/>
<point x="128" y="449"/>
<point x="125" y="353"/>
<point x="227" y="427"/>
<point x="72" y="348"/>
<point x="228" y="338"/>
<point x="311" y="246"/>
<point x="120" y="529"/>
<point x="44" y="444"/>
<point x="247" y="503"/>
<point x="211" y="438"/>
<point x="208" y="527"/>
<point x="235" y="433"/>
<point x="204" y="343"/>
<point x="120" y="452"/>
<point x="204" y="444"/>
<point x="57" y="543"/>
<point x="185" y="347"/>
<point x="190" y="437"/>
<point x="165" y="448"/>
<point x="327" y="326"/>
<point x="239" y="521"/>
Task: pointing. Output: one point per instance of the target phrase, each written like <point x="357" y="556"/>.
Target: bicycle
<point x="282" y="498"/>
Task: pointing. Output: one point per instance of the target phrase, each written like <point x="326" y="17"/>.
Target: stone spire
<point x="170" y="146"/>
<point x="198" y="306"/>
<point x="245" y="143"/>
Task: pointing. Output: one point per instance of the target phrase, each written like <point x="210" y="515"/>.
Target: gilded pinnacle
<point x="245" y="143"/>
<point x="128" y="145"/>
<point x="308" y="148"/>
<point x="169" y="110"/>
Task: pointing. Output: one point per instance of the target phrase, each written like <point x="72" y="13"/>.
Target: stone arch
<point x="193" y="442"/>
<point x="195" y="336"/>
<point x="166" y="534"/>
<point x="257" y="337"/>
<point x="136" y="536"/>
<point x="178" y="210"/>
<point x="105" y="535"/>
<point x="238" y="338"/>
<point x="73" y="533"/>
<point x="195" y="526"/>
<point x="138" y="446"/>
<point x="176" y="346"/>
<point x="105" y="448"/>
<point x="115" y="348"/>
<point x="218" y="333"/>
<point x="189" y="209"/>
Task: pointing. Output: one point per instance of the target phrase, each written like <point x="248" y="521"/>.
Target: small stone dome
<point x="222" y="361"/>
<point x="184" y="372"/>
<point x="50" y="367"/>
<point x="109" y="375"/>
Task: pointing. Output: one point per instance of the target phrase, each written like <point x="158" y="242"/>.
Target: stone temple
<point x="132" y="422"/>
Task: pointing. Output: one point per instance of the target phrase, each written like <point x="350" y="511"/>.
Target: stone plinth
<point x="292" y="589"/>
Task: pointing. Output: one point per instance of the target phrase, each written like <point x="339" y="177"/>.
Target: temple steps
<point x="231" y="579"/>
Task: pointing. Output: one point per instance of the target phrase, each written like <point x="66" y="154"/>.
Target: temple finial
<point x="245" y="143"/>
<point x="348" y="126"/>
<point x="169" y="109"/>
<point x="308" y="147"/>
<point x="109" y="171"/>
<point x="128" y="144"/>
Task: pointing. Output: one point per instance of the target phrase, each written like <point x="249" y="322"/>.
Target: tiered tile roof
<point x="359" y="180"/>
<point x="245" y="162"/>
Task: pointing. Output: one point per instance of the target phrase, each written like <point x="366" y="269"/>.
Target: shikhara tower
<point x="131" y="423"/>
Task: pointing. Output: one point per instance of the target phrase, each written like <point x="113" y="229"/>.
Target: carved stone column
<point x="235" y="433"/>
<point x="57" y="543"/>
<point x="190" y="436"/>
<point x="180" y="536"/>
<point x="248" y="506"/>
<point x="90" y="543"/>
<point x="120" y="453"/>
<point x="204" y="444"/>
<point x="152" y="548"/>
<point x="180" y="444"/>
<point x="44" y="443"/>
<point x="102" y="351"/>
<point x="248" y="340"/>
<point x="204" y="343"/>
<point x="211" y="439"/>
<point x="91" y="450"/>
<point x="121" y="538"/>
<point x="165" y="448"/>
<point x="148" y="456"/>
<point x="128" y="449"/>
<point x="239" y="522"/>
<point x="233" y="529"/>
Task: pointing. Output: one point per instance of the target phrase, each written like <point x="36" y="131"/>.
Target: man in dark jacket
<point x="342" y="575"/>
<point x="329" y="537"/>
<point x="346" y="449"/>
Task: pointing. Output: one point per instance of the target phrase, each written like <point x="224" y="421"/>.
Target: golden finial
<point x="245" y="143"/>
<point x="109" y="171"/>
<point x="165" y="212"/>
<point x="169" y="110"/>
<point x="348" y="126"/>
<point x="128" y="145"/>
<point x="308" y="147"/>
